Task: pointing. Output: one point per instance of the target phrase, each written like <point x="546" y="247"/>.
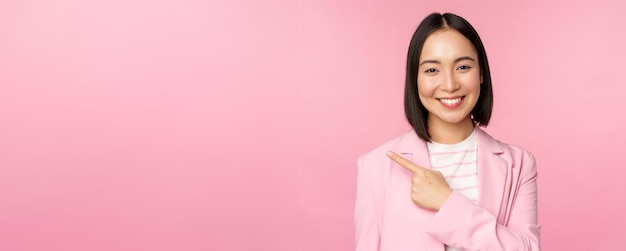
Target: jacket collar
<point x="412" y="144"/>
<point x="493" y="169"/>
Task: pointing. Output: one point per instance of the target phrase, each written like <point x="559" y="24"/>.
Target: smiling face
<point x="448" y="78"/>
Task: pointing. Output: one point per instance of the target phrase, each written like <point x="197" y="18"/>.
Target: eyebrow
<point x="439" y="62"/>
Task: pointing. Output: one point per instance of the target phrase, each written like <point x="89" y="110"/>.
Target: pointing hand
<point x="429" y="188"/>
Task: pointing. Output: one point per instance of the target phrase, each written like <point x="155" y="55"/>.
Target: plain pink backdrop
<point x="231" y="125"/>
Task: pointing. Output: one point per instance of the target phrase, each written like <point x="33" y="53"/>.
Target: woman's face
<point x="448" y="77"/>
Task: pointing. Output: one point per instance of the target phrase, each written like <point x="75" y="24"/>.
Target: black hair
<point x="415" y="112"/>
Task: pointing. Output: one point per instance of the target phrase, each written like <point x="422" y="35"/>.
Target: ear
<point x="481" y="73"/>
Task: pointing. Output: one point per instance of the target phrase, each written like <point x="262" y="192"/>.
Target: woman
<point x="447" y="184"/>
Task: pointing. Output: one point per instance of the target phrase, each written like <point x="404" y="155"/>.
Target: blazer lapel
<point x="493" y="176"/>
<point x="415" y="150"/>
<point x="493" y="180"/>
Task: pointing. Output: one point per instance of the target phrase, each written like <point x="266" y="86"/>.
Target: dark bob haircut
<point x="415" y="112"/>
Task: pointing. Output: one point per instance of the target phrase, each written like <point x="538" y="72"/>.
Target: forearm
<point x="460" y="223"/>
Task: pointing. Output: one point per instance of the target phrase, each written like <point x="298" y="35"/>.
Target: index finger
<point x="403" y="162"/>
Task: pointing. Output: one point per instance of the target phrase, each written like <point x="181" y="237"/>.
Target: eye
<point x="464" y="67"/>
<point x="430" y="70"/>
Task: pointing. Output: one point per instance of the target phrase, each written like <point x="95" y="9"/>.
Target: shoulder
<point x="517" y="155"/>
<point x="395" y="144"/>
<point x="504" y="147"/>
<point x="517" y="152"/>
<point x="375" y="162"/>
<point x="375" y="168"/>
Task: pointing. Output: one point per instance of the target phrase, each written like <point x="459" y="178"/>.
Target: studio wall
<point x="236" y="125"/>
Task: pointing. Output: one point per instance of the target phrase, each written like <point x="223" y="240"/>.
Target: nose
<point x="450" y="83"/>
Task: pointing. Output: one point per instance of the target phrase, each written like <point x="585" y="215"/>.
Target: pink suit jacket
<point x="505" y="217"/>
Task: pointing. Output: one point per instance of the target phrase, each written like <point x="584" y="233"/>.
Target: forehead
<point x="447" y="44"/>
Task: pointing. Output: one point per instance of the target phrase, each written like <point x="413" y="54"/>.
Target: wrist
<point x="444" y="198"/>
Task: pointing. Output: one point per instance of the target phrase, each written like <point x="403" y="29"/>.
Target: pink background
<point x="204" y="125"/>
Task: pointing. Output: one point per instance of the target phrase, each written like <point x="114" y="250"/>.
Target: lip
<point x="453" y="105"/>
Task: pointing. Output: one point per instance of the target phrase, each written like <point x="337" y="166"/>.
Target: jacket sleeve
<point x="365" y="220"/>
<point x="462" y="224"/>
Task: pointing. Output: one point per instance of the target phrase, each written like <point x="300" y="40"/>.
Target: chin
<point x="455" y="120"/>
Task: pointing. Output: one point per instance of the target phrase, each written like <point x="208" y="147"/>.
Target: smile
<point x="451" y="102"/>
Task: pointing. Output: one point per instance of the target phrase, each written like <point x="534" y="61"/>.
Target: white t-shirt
<point x="458" y="164"/>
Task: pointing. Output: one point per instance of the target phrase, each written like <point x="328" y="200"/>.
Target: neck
<point x="446" y="133"/>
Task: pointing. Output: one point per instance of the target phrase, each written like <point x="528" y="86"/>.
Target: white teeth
<point x="451" y="101"/>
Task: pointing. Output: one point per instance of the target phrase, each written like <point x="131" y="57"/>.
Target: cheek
<point x="472" y="83"/>
<point x="474" y="87"/>
<point x="425" y="88"/>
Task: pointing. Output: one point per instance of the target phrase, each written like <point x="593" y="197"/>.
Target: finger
<point x="403" y="162"/>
